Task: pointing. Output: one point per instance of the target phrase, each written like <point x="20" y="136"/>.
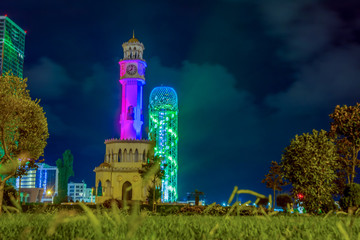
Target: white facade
<point x="79" y="192"/>
<point x="27" y="181"/>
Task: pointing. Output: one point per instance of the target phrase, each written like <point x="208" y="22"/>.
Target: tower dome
<point x="163" y="98"/>
<point x="133" y="40"/>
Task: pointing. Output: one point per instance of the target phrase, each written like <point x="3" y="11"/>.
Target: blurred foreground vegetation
<point x="174" y="222"/>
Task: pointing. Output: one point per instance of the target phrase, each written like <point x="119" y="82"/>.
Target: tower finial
<point x="133" y="33"/>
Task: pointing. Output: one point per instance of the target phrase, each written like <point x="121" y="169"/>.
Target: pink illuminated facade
<point x="132" y="79"/>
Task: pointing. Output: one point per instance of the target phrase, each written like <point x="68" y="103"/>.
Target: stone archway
<point x="126" y="195"/>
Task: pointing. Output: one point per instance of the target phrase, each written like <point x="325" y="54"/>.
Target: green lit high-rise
<point x="163" y="128"/>
<point x="12" y="47"/>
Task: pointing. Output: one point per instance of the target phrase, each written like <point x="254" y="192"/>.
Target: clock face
<point x="131" y="69"/>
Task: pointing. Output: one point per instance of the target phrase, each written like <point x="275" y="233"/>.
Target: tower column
<point x="132" y="78"/>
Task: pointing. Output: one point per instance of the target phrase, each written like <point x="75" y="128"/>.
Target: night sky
<point x="249" y="76"/>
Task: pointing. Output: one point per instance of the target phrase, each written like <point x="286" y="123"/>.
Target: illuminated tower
<point x="163" y="125"/>
<point x="132" y="79"/>
<point x="12" y="47"/>
<point x="118" y="176"/>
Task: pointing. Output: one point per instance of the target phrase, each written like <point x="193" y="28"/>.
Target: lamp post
<point x="49" y="193"/>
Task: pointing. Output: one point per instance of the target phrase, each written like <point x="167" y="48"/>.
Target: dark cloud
<point x="47" y="79"/>
<point x="328" y="81"/>
<point x="306" y="27"/>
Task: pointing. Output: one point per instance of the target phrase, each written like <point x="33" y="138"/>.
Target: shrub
<point x="283" y="200"/>
<point x="218" y="210"/>
<point x="329" y="206"/>
<point x="110" y="202"/>
<point x="192" y="210"/>
<point x="351" y="197"/>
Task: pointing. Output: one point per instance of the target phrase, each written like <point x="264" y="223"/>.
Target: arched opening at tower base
<point x="126" y="193"/>
<point x="99" y="189"/>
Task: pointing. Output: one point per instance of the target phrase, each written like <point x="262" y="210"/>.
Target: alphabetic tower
<point x="163" y="124"/>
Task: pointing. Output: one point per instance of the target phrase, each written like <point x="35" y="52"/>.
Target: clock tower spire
<point x="132" y="79"/>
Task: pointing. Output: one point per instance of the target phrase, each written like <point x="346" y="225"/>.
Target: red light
<point x="300" y="196"/>
<point x="5" y="15"/>
<point x="25" y="32"/>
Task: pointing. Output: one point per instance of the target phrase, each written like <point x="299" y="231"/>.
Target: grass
<point x="101" y="224"/>
<point x="119" y="225"/>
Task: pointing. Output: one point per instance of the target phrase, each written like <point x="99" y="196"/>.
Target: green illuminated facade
<point x="163" y="128"/>
<point x="12" y="47"/>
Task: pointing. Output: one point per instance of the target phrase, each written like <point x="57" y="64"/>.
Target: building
<point x="28" y="190"/>
<point x="12" y="47"/>
<point x="47" y="178"/>
<point x="125" y="156"/>
<point x="191" y="199"/>
<point x="79" y="192"/>
<point x="28" y="180"/>
<point x="163" y="129"/>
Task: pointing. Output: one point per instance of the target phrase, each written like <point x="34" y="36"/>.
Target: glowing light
<point x="48" y="193"/>
<point x="300" y="196"/>
<point x="163" y="129"/>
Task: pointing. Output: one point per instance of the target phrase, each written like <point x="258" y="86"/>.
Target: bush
<point x="330" y="206"/>
<point x="351" y="197"/>
<point x="218" y="210"/>
<point x="192" y="210"/>
<point x="110" y="202"/>
<point x="283" y="200"/>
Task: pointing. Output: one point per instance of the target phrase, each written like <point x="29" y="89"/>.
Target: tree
<point x="345" y="130"/>
<point x="9" y="191"/>
<point x="274" y="179"/>
<point x="65" y="167"/>
<point x="152" y="170"/>
<point x="151" y="195"/>
<point x="263" y="202"/>
<point x="23" y="130"/>
<point x="351" y="197"/>
<point x="309" y="163"/>
<point x="197" y="195"/>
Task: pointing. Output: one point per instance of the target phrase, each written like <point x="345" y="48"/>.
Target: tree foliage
<point x="151" y="192"/>
<point x="345" y="130"/>
<point x="309" y="164"/>
<point x="9" y="191"/>
<point x="65" y="167"/>
<point x="152" y="170"/>
<point x="23" y="129"/>
<point x="274" y="179"/>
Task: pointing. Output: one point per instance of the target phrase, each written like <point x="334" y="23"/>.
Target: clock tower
<point x="132" y="79"/>
<point x="118" y="176"/>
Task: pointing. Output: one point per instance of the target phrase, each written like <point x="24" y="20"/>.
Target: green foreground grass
<point x="117" y="225"/>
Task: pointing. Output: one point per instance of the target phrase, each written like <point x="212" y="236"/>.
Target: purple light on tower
<point x="132" y="79"/>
